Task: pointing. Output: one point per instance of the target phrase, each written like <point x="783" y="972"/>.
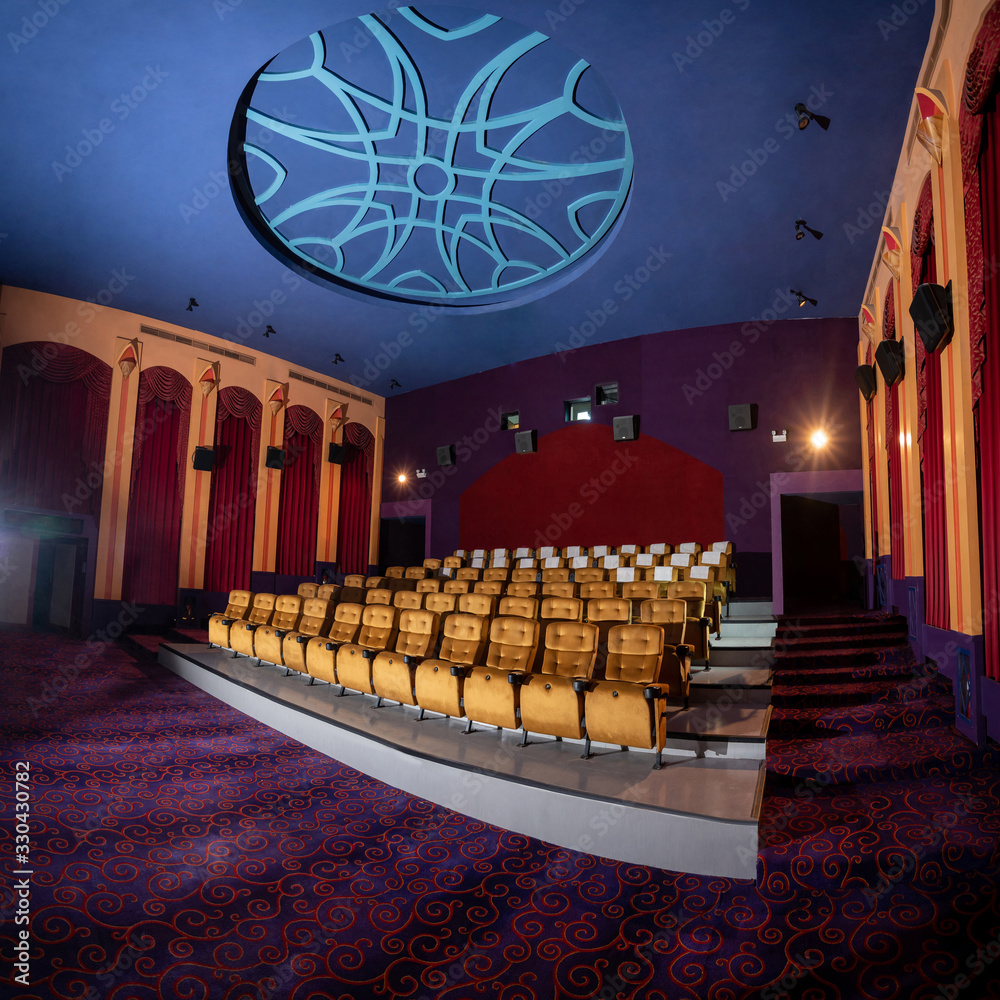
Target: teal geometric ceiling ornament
<point x="436" y="156"/>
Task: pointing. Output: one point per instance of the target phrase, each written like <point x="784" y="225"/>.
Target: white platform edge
<point x="676" y="842"/>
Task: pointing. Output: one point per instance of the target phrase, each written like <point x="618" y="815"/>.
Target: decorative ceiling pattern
<point x="436" y="156"/>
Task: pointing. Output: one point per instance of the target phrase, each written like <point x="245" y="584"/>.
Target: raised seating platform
<point x="698" y="814"/>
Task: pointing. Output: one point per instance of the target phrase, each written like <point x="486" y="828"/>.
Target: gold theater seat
<point x="671" y="616"/>
<point x="522" y="589"/>
<point x="692" y="593"/>
<point x="241" y="632"/>
<point x="315" y="621"/>
<point x="629" y="706"/>
<point x="517" y="607"/>
<point x="552" y="700"/>
<point x="394" y="671"/>
<point x="307" y="590"/>
<point x="463" y="642"/>
<point x="219" y="625"/>
<point x="428" y="586"/>
<point x="605" y="613"/>
<point x="599" y="589"/>
<point x="354" y="659"/>
<point x="267" y="638"/>
<point x="321" y="651"/>
<point x="394" y="572"/>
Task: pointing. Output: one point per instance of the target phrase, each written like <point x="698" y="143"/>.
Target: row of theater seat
<point x="607" y="678"/>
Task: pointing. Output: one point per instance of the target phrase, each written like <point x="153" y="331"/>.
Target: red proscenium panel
<point x="584" y="488"/>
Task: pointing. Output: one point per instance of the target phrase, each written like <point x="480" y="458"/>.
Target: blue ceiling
<point x="116" y="119"/>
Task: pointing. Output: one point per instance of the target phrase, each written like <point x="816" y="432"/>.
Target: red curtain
<point x="892" y="445"/>
<point x="298" y="505"/>
<point x="930" y="428"/>
<point x="156" y="498"/>
<point x="355" y="499"/>
<point x="53" y="425"/>
<point x="231" y="505"/>
<point x="980" y="135"/>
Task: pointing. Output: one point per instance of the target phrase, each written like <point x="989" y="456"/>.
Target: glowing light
<point x="819" y="439"/>
<point x="401" y="477"/>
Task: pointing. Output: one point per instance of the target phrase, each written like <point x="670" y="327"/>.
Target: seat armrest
<point x="370" y="654"/>
<point x="280" y="633"/>
<point x="411" y="661"/>
<point x="252" y="626"/>
<point x="228" y="621"/>
<point x="652" y="692"/>
<point x="705" y="621"/>
<point x="517" y="677"/>
<point x="334" y="645"/>
<point x="459" y="671"/>
<point x="683" y="650"/>
<point x="302" y="637"/>
<point x="581" y="684"/>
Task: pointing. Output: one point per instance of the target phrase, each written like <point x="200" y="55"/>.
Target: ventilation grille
<point x="202" y="345"/>
<point x="329" y="388"/>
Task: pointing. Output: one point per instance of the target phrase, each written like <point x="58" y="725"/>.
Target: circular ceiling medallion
<point x="433" y="156"/>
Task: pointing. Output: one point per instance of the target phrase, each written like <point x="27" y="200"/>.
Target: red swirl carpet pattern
<point x="182" y="851"/>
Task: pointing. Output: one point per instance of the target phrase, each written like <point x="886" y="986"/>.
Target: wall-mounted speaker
<point x="336" y="453"/>
<point x="626" y="428"/>
<point x="526" y="442"/>
<point x="446" y="454"/>
<point x="275" y="458"/>
<point x="889" y="358"/>
<point x="204" y="459"/>
<point x="932" y="315"/>
<point x="743" y="417"/>
<point x="864" y="375"/>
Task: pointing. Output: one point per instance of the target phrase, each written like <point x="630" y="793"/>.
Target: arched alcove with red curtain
<point x="979" y="120"/>
<point x="930" y="426"/>
<point x="892" y="447"/>
<point x="229" y="538"/>
<point x="584" y="488"/>
<point x="156" y="493"/>
<point x="298" y="505"/>
<point x="53" y="425"/>
<point x="872" y="476"/>
<point x="354" y="529"/>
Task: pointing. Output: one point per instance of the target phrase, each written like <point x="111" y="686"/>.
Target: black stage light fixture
<point x="270" y="329"/>
<point x="275" y="458"/>
<point x="394" y="384"/>
<point x="192" y="305"/>
<point x="889" y="358"/>
<point x="338" y="358"/>
<point x="864" y="376"/>
<point x="932" y="315"/>
<point x="803" y="299"/>
<point x="204" y="459"/>
<point x="801" y="229"/>
<point x="806" y="116"/>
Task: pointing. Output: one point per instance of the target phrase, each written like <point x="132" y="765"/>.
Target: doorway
<point x="401" y="541"/>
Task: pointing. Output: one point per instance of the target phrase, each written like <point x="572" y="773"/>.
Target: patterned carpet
<point x="183" y="851"/>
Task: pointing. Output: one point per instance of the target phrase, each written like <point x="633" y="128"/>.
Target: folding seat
<point x="692" y="592"/>
<point x="592" y="574"/>
<point x="354" y="659"/>
<point x="605" y="613"/>
<point x="461" y="555"/>
<point x="726" y="547"/>
<point x="550" y="701"/>
<point x="267" y="638"/>
<point x="524" y="553"/>
<point x="463" y="641"/>
<point x="599" y="588"/>
<point x="725" y="580"/>
<point x="329" y="592"/>
<point x="608" y="563"/>
<point x="555" y="574"/>
<point x="671" y="616"/>
<point x="432" y="565"/>
<point x="682" y="562"/>
<point x="623" y="575"/>
<point x="452" y="562"/>
<point x="375" y="583"/>
<point x="578" y="564"/>
<point x="238" y="606"/>
<point x="643" y="564"/>
<point x="706" y="574"/>
<point x="492" y="587"/>
<point x="559" y="609"/>
<point x="500" y="556"/>
<point x="660" y="549"/>
<point x="354" y="580"/>
<point x="415" y="573"/>
<point x="628" y="707"/>
<point x="518" y="607"/>
<point x="457" y="586"/>
<point x="353" y="595"/>
<point x="496" y="574"/>
<point x="639" y="591"/>
<point x="478" y="554"/>
<point x="522" y="589"/>
<point x="407" y="599"/>
<point x="524" y="574"/>
<point x="478" y="562"/>
<point x="525" y="565"/>
<point x="241" y="632"/>
<point x="600" y="551"/>
<point x="440" y="604"/>
<point x="629" y="550"/>
<point x="470" y="573"/>
<point x="394" y="671"/>
<point x="484" y="605"/>
<point x="689" y="548"/>
<point x="559" y="589"/>
<point x="428" y="586"/>
<point x="378" y="595"/>
<point x="307" y="590"/>
<point x="321" y="651"/>
<point x="548" y="551"/>
<point x="315" y="621"/>
<point x="491" y="693"/>
<point x="574" y="550"/>
<point x="394" y="572"/>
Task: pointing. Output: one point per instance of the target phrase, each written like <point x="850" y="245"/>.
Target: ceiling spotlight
<point x="819" y="439"/>
<point x="803" y="299"/>
<point x="337" y="358"/>
<point x="806" y="116"/>
<point x="401" y="477"/>
<point x="394" y="385"/>
<point x="270" y="329"/>
<point x="192" y="304"/>
<point x="801" y="229"/>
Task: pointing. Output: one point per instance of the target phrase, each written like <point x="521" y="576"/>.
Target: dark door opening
<point x="401" y="541"/>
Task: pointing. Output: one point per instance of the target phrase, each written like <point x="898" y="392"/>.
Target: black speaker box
<point x="743" y="417"/>
<point x="275" y="458"/>
<point x="204" y="459"/>
<point x="446" y="454"/>
<point x="336" y="453"/>
<point x="626" y="428"/>
<point x="525" y="442"/>
<point x="889" y="358"/>
<point x="932" y="315"/>
<point x="864" y="375"/>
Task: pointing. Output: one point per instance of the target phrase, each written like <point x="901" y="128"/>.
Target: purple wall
<point x="799" y="372"/>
